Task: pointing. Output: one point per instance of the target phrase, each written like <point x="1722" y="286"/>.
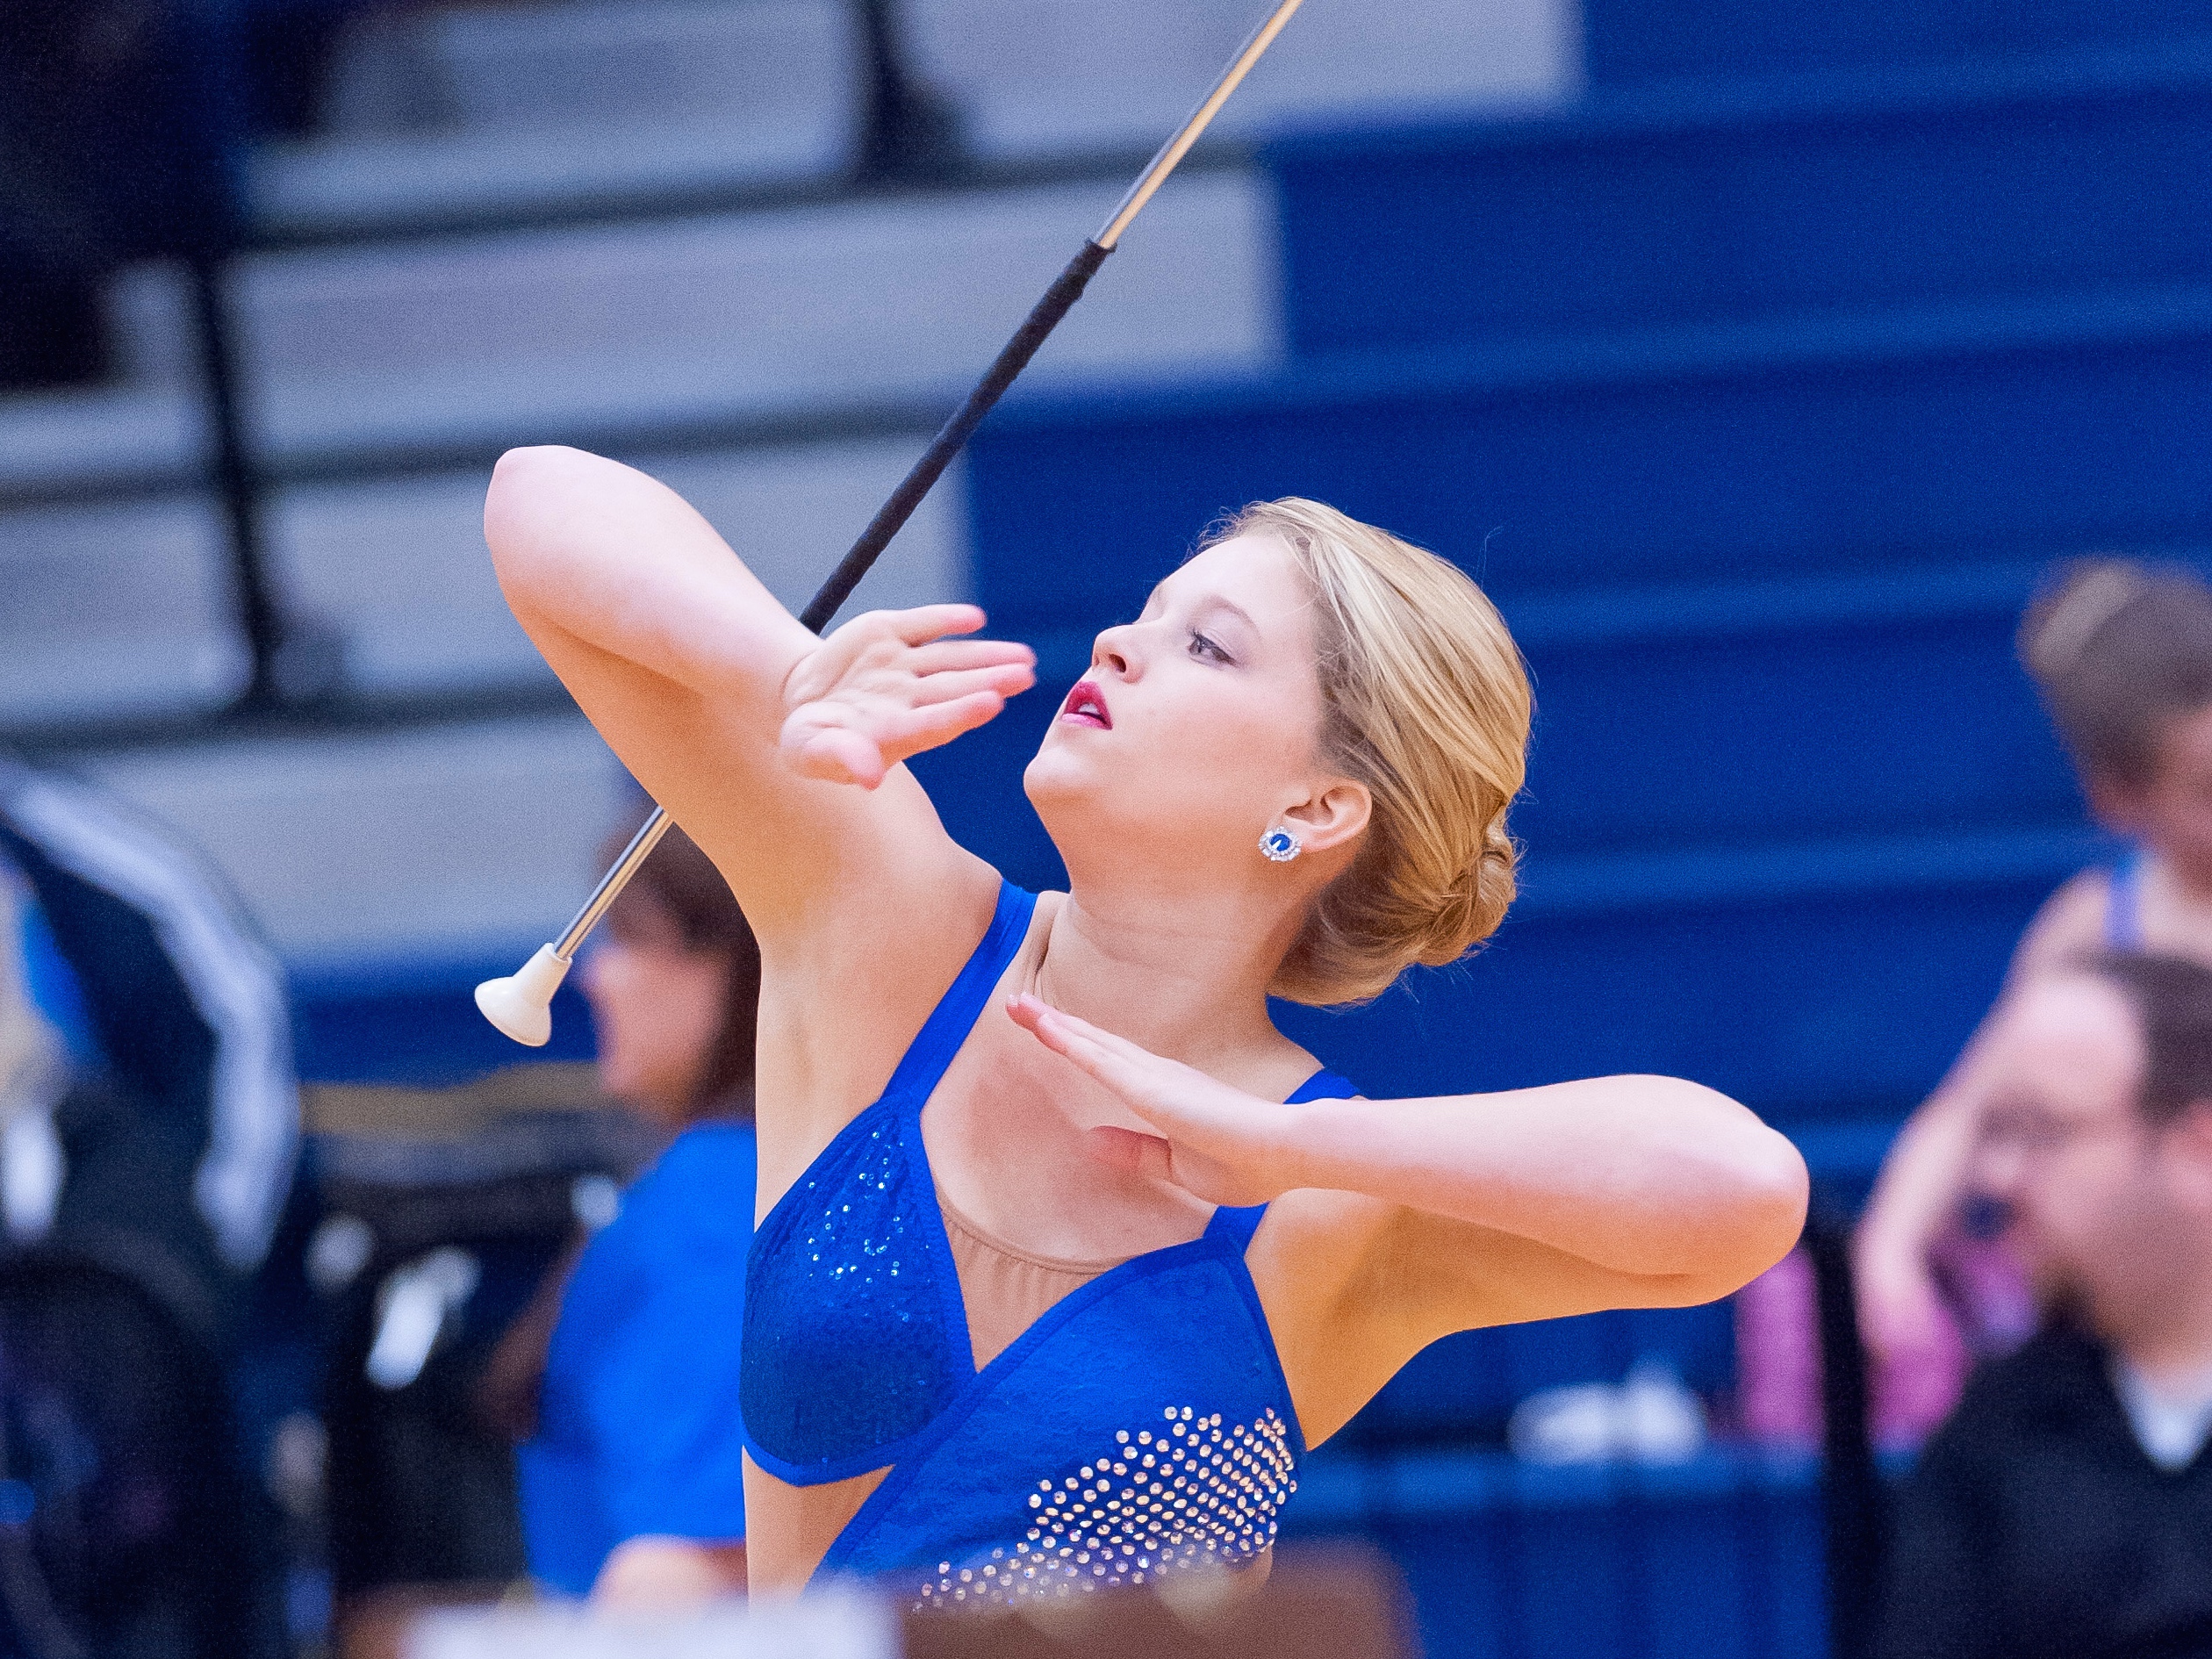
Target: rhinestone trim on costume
<point x="1193" y="1495"/>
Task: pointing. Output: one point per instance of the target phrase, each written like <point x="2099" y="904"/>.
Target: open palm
<point x="890" y="683"/>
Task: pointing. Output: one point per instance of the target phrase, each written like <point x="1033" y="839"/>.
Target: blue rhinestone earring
<point x="1279" y="845"/>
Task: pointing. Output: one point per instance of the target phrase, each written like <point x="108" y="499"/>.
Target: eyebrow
<point x="1214" y="603"/>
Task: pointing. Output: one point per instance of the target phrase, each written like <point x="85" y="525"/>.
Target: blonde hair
<point x="1426" y="702"/>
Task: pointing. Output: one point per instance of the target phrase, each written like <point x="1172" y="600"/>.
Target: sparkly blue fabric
<point x="1139" y="1430"/>
<point x="1141" y="1427"/>
<point x="855" y="1336"/>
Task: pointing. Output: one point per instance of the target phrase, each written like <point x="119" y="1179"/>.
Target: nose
<point x="1111" y="650"/>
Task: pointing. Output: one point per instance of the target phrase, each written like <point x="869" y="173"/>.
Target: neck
<point x="1183" y="971"/>
<point x="2165" y="1329"/>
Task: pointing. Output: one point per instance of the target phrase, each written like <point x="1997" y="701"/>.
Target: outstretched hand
<point x="1225" y="1145"/>
<point x="890" y="683"/>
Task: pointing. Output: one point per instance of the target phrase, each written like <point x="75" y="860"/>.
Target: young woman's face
<point x="1196" y="727"/>
<point x="657" y="1008"/>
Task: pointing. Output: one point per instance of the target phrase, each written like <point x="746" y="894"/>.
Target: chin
<point x="1060" y="795"/>
<point x="1057" y="778"/>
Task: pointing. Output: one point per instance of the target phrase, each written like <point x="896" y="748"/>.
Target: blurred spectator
<point x="2122" y="655"/>
<point x="2066" y="1509"/>
<point x="148" y="1125"/>
<point x="119" y="125"/>
<point x="633" y="1483"/>
<point x="150" y="1106"/>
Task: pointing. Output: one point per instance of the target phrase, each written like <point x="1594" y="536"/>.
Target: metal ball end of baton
<point x="521" y="1004"/>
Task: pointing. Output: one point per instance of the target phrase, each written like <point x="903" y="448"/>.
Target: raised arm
<point x="748" y="728"/>
<point x="1416" y="1217"/>
<point x="1924" y="1176"/>
<point x="1661" y="1191"/>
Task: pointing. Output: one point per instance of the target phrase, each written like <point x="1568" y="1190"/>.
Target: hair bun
<point x="2059" y="631"/>
<point x="1472" y="910"/>
<point x="1426" y="704"/>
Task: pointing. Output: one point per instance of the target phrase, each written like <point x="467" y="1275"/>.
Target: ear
<point x="1335" y="817"/>
<point x="2118" y="807"/>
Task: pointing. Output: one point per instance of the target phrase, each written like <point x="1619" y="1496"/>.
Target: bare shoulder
<point x="2070" y="923"/>
<point x="841" y="1002"/>
<point x="1313" y="1262"/>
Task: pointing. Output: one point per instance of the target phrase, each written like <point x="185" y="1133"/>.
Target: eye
<point x="1204" y="648"/>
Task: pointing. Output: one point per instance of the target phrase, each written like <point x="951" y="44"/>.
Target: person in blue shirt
<point x="632" y="1485"/>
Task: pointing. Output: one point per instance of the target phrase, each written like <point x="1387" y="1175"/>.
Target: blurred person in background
<point x="2066" y="1509"/>
<point x="2121" y="653"/>
<point x="148" y="1123"/>
<point x="633" y="1482"/>
<point x="151" y="1111"/>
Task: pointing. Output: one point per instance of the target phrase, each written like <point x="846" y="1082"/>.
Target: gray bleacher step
<point x="1039" y="80"/>
<point x="470" y="841"/>
<point x="441" y="114"/>
<point x="115" y="609"/>
<point x="120" y="437"/>
<point x="512" y="109"/>
<point x="121" y="609"/>
<point x="884" y="309"/>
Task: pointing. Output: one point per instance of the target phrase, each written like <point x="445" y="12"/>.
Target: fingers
<point x="926" y="623"/>
<point x="1121" y="1065"/>
<point x="1146" y="1155"/>
<point x="934" y="724"/>
<point x="839" y="744"/>
<point x="1009" y="679"/>
<point x="1034" y="1013"/>
<point x="951" y="654"/>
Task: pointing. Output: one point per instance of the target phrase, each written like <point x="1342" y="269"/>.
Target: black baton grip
<point x="1043" y="319"/>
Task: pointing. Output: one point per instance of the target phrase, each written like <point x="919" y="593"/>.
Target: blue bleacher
<point x="1982" y="431"/>
<point x="1705" y="202"/>
<point x="1718" y="1558"/>
<point x="1632" y="41"/>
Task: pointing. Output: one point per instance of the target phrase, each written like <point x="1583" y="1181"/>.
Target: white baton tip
<point x="521" y="1005"/>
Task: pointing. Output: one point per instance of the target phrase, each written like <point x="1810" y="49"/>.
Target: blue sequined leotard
<point x="1141" y="1427"/>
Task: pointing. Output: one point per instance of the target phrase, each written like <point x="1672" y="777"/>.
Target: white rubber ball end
<point x="521" y="1005"/>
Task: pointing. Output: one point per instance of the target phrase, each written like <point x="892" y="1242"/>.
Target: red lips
<point x="1085" y="706"/>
